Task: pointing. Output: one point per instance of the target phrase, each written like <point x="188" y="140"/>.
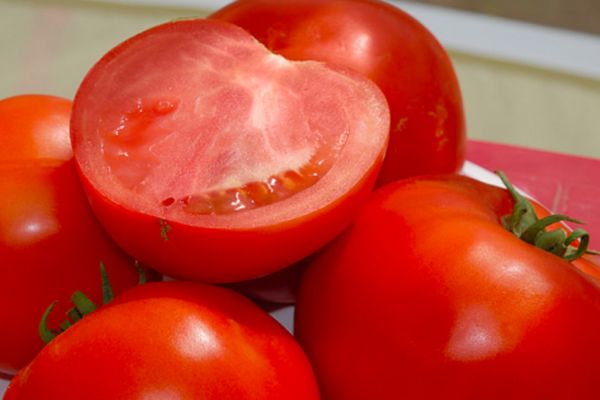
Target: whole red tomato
<point x="171" y="340"/>
<point x="390" y="47"/>
<point x="219" y="160"/>
<point x="50" y="242"/>
<point x="428" y="296"/>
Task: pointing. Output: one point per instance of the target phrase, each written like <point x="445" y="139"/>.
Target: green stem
<point x="44" y="331"/>
<point x="107" y="291"/>
<point x="83" y="305"/>
<point x="141" y="273"/>
<point x="525" y="224"/>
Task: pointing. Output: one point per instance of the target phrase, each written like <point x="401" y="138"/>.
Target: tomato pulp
<point x="430" y="291"/>
<point x="380" y="41"/>
<point x="208" y="157"/>
<point x="50" y="242"/>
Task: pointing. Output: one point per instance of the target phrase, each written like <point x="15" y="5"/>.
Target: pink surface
<point x="566" y="184"/>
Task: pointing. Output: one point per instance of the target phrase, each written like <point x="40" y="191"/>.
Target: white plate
<point x="3" y="385"/>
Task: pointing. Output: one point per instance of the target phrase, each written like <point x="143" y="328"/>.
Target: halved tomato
<point x="209" y="157"/>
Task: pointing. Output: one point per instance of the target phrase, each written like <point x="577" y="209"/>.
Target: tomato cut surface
<point x="194" y="124"/>
<point x="380" y="41"/>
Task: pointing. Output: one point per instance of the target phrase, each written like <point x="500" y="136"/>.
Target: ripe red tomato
<point x="171" y="340"/>
<point x="390" y="47"/>
<point x="219" y="160"/>
<point x="439" y="300"/>
<point x="50" y="243"/>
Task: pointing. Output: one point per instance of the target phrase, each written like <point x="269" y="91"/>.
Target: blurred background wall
<point x="578" y="15"/>
<point x="48" y="45"/>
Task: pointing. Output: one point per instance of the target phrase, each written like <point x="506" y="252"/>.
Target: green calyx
<point x="525" y="224"/>
<point x="82" y="305"/>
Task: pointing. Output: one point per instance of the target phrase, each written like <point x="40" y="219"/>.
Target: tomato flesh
<point x="218" y="132"/>
<point x="380" y="41"/>
<point x="239" y="159"/>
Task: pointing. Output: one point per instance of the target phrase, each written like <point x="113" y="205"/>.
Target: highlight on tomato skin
<point x="247" y="165"/>
<point x="50" y="242"/>
<point x="390" y="47"/>
<point x="431" y="289"/>
<point x="171" y="340"/>
<point x="35" y="129"/>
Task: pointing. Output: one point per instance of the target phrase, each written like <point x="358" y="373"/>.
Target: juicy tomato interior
<point x="233" y="156"/>
<point x="215" y="124"/>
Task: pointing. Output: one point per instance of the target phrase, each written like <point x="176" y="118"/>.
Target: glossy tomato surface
<point x="430" y="292"/>
<point x="390" y="47"/>
<point x="171" y="340"/>
<point x="219" y="160"/>
<point x="50" y="242"/>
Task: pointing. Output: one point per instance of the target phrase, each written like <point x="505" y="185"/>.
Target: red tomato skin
<point x="173" y="339"/>
<point x="34" y="128"/>
<point x="430" y="291"/>
<point x="175" y="249"/>
<point x="380" y="41"/>
<point x="589" y="265"/>
<point x="50" y="243"/>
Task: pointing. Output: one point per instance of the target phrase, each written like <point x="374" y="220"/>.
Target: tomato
<point x="220" y="161"/>
<point x="171" y="340"/>
<point x="50" y="242"/>
<point x="439" y="300"/>
<point x="387" y="45"/>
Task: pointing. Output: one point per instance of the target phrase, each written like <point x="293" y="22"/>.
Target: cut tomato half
<point x="208" y="157"/>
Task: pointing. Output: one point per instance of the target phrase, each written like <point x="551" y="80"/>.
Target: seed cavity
<point x="163" y="107"/>
<point x="255" y="194"/>
<point x="168" y="201"/>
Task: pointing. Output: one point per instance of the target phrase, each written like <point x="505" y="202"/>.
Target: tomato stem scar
<point x="165" y="228"/>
